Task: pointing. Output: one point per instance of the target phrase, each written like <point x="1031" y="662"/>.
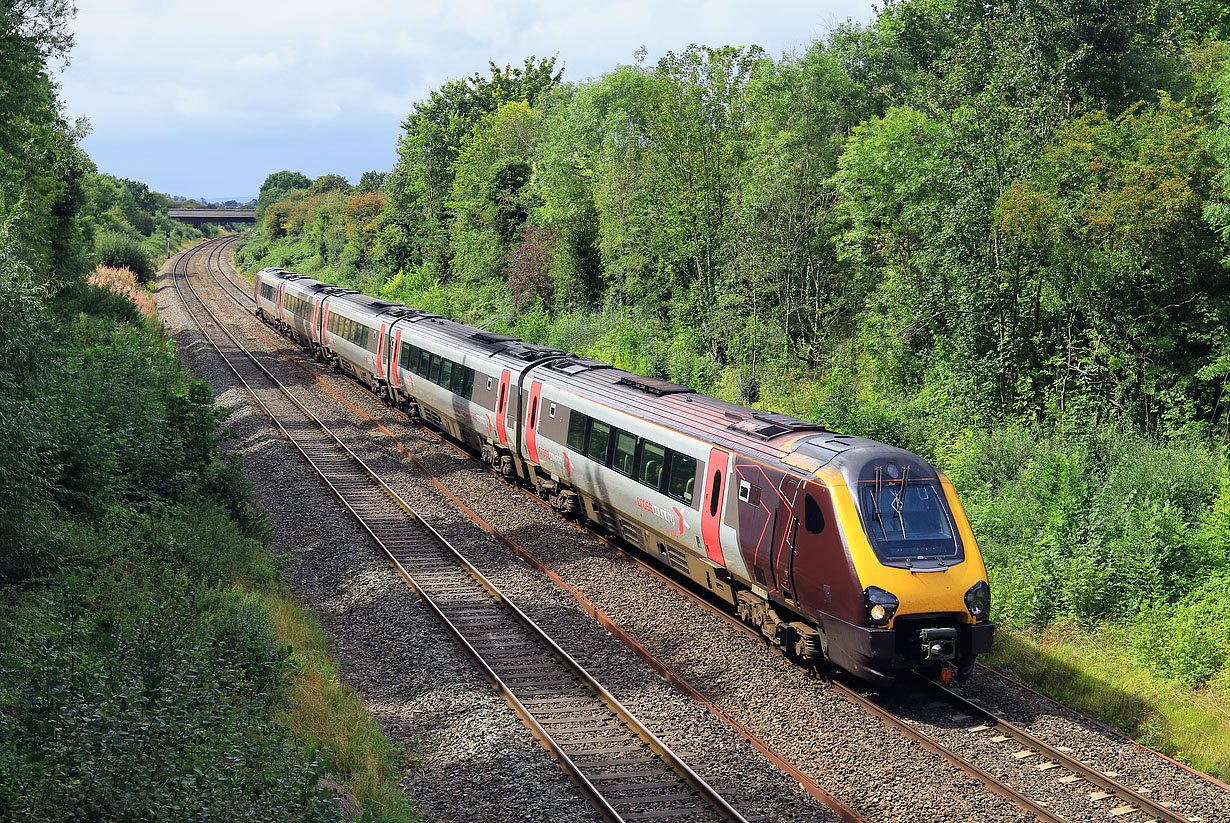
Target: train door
<point x="783" y="557"/>
<point x="380" y="350"/>
<point x="395" y="359"/>
<point x="531" y="428"/>
<point x="712" y="505"/>
<point x="501" y="407"/>
<point x="822" y="573"/>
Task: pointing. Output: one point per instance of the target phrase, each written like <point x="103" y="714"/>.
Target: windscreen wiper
<point x="875" y="501"/>
<point x="899" y="501"/>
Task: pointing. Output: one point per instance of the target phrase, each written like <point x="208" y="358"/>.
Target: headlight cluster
<point x="881" y="605"/>
<point x="978" y="601"/>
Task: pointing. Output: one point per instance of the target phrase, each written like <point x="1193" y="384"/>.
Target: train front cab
<point x="906" y="587"/>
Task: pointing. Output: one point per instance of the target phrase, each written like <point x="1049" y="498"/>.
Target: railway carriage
<point x="836" y="547"/>
<point x="292" y="304"/>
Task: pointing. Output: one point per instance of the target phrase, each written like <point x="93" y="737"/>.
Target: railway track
<point x="239" y="295"/>
<point x="1104" y="796"/>
<point x="625" y="771"/>
<point x="930" y="704"/>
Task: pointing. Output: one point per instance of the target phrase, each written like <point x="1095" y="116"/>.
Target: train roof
<point x="796" y="445"/>
<point x="767" y="436"/>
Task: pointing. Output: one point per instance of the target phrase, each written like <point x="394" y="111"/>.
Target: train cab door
<point x="501" y="407"/>
<point x="716" y="471"/>
<point x="280" y="299"/>
<point x="783" y="557"/>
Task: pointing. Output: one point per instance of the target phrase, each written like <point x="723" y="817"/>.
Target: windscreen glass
<point x="907" y="519"/>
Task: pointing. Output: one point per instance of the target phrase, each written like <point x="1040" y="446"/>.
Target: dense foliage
<point x="995" y="233"/>
<point x="138" y="679"/>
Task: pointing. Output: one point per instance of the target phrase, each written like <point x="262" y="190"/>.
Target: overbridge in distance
<point x="198" y="216"/>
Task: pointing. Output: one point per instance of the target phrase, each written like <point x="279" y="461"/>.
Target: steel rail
<point x="992" y="722"/>
<point x="576" y="771"/>
<point x="1084" y="718"/>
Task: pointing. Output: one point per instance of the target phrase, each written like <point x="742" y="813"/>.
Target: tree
<point x="330" y="182"/>
<point x="371" y="181"/>
<point x="488" y="199"/>
<point x="41" y="164"/>
<point x="1132" y="292"/>
<point x="278" y="184"/>
<point x="417" y="216"/>
<point x="529" y="269"/>
<point x="699" y="129"/>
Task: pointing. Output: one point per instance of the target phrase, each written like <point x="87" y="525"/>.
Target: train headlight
<point x="978" y="600"/>
<point x="881" y="605"/>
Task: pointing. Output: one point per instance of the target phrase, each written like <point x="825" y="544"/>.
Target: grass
<point x="327" y="716"/>
<point x="1099" y="673"/>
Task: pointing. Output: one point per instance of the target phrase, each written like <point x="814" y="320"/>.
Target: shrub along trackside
<point x="143" y="675"/>
<point x="138" y="679"/>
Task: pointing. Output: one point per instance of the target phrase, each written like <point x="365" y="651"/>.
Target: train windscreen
<point x="907" y="519"/>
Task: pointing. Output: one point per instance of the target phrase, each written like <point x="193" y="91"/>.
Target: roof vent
<point x="576" y="365"/>
<point x="530" y="352"/>
<point x="491" y="338"/>
<point x="653" y="385"/>
<point x="767" y="425"/>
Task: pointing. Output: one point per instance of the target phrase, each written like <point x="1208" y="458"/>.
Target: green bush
<point x="120" y="251"/>
<point x="139" y="696"/>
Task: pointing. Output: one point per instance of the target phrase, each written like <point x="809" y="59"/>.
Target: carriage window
<point x="717" y="492"/>
<point x="624" y="458"/>
<point x="468" y="389"/>
<point x="459" y="379"/>
<point x="599" y="440"/>
<point x="434" y="374"/>
<point x="682" y="477"/>
<point x="424" y="364"/>
<point x="653" y="459"/>
<point x="576" y="430"/>
<point x="813" y="517"/>
<point x="409" y="354"/>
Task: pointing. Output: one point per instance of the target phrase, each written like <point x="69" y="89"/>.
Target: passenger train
<point x="836" y="547"/>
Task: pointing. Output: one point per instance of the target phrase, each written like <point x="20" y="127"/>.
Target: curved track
<point x="1051" y="766"/>
<point x="245" y="300"/>
<point x="625" y="771"/>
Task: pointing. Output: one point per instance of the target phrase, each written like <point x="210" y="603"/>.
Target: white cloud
<point x="267" y="63"/>
<point x="337" y="79"/>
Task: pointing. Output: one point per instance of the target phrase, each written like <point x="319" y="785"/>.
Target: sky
<point x="205" y="99"/>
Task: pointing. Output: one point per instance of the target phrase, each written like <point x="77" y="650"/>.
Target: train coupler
<point x="939" y="644"/>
